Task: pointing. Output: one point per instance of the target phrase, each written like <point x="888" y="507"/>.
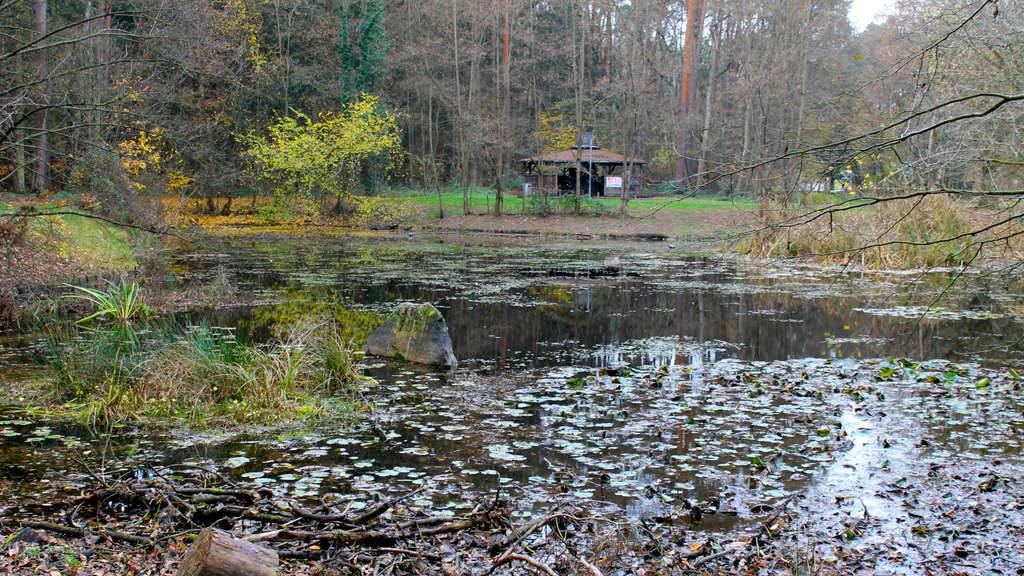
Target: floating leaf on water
<point x="236" y="461"/>
<point x="502" y="452"/>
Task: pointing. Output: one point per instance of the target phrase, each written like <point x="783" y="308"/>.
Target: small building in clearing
<point x="602" y="172"/>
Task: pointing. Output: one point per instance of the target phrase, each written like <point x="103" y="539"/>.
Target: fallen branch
<point x="710" y="557"/>
<point x="528" y="560"/>
<point x="594" y="570"/>
<point x="80" y="532"/>
<point x="416" y="553"/>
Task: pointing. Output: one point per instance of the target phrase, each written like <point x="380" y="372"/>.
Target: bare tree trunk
<point x="473" y="102"/>
<point x="608" y="36"/>
<point x="624" y="192"/>
<point x="688" y="88"/>
<point x="460" y="114"/>
<point x="434" y="180"/>
<point x="748" y="112"/>
<point x="578" y="67"/>
<point x="705" y="134"/>
<point x="42" y="175"/>
<point x="19" y="164"/>
<point x="506" y="102"/>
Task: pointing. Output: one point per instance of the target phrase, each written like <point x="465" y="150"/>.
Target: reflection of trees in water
<point x="296" y="306"/>
<point x="311" y="276"/>
<point x="795" y="327"/>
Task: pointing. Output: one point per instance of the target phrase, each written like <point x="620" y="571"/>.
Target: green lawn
<point x="101" y="244"/>
<point x="89" y="242"/>
<point x="482" y="202"/>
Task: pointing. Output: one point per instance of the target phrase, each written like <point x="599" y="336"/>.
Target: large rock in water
<point x="414" y="332"/>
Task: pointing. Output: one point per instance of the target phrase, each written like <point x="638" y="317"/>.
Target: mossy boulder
<point x="416" y="333"/>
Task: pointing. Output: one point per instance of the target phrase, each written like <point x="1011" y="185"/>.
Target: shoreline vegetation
<point x="121" y="363"/>
<point x="913" y="234"/>
<point x="41" y="253"/>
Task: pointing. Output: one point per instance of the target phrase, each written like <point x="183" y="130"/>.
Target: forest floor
<point x="953" y="517"/>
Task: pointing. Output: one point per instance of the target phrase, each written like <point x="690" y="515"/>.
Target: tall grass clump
<point x="200" y="375"/>
<point x="121" y="302"/>
<point x="899" y="234"/>
<point x="207" y="374"/>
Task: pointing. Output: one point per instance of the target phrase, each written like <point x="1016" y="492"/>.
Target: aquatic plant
<point x="83" y="361"/>
<point x="121" y="302"/>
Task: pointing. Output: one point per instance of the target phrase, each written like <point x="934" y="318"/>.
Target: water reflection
<point x="515" y="308"/>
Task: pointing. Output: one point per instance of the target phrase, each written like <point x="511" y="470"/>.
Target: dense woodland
<point x="127" y="96"/>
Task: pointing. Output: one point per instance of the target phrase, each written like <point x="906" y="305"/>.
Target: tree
<point x="42" y="171"/>
<point x="363" y="53"/>
<point x="688" y="89"/>
<point x="505" y="79"/>
<point x="317" y="159"/>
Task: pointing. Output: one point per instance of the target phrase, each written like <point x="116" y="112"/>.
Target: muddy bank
<point x="705" y="226"/>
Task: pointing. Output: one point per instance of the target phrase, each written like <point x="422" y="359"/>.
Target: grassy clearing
<point x="40" y="252"/>
<point x="481" y="201"/>
<point x="92" y="244"/>
<point x="99" y="245"/>
<point x="898" y="235"/>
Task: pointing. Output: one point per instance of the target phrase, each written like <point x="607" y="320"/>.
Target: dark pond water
<point x="731" y="369"/>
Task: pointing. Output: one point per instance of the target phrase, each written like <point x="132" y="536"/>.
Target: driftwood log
<point x="217" y="553"/>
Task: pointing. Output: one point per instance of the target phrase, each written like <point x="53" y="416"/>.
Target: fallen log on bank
<point x="217" y="553"/>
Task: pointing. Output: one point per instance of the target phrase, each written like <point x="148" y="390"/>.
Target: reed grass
<point x="902" y="234"/>
<point x="202" y="375"/>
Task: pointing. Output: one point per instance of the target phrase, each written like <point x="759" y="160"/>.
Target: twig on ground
<point x="528" y="560"/>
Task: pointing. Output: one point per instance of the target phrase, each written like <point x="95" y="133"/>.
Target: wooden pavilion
<point x="602" y="172"/>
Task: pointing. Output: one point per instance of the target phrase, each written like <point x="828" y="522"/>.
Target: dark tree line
<point x="759" y="97"/>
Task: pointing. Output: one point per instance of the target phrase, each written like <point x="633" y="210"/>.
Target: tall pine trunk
<point x="686" y="136"/>
<point x="42" y="172"/>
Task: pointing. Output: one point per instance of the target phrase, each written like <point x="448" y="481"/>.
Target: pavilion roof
<point x="587" y="155"/>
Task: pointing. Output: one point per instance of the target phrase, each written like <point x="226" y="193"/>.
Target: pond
<point x="632" y="378"/>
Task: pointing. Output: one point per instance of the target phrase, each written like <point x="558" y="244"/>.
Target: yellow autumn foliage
<point x="323" y="156"/>
<point x="553" y="133"/>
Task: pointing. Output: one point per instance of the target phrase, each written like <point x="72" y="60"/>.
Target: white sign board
<point x="613" y="182"/>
